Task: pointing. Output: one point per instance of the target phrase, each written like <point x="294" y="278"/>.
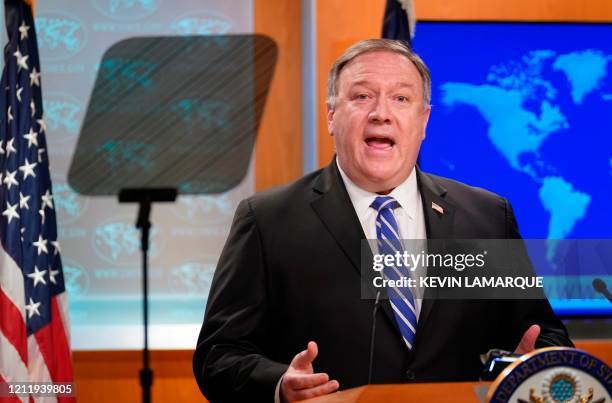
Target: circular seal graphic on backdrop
<point x="63" y="114"/>
<point x="555" y="375"/>
<point x="126" y="10"/>
<point x="69" y="206"/>
<point x="202" y="32"/>
<point x="60" y="35"/>
<point x="76" y="278"/>
<point x="117" y="241"/>
<point x="202" y="23"/>
<point x="192" y="278"/>
<point x="209" y="210"/>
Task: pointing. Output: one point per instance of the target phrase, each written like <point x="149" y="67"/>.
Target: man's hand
<point x="299" y="382"/>
<point x="528" y="341"/>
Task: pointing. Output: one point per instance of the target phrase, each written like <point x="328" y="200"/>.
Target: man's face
<point x="378" y="120"/>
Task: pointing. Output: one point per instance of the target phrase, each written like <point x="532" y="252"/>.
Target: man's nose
<point x="380" y="113"/>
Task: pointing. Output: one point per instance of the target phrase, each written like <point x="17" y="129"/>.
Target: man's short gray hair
<point x="371" y="45"/>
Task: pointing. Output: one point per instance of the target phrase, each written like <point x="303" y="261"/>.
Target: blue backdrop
<point x="524" y="110"/>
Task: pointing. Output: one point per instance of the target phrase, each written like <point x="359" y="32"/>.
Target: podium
<point x="451" y="392"/>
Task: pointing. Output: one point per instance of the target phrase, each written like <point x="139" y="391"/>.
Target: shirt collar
<point x="406" y="194"/>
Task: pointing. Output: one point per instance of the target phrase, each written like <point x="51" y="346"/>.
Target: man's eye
<point x="402" y="98"/>
<point x="362" y="96"/>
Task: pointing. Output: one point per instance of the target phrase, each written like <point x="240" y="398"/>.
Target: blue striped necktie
<point x="388" y="237"/>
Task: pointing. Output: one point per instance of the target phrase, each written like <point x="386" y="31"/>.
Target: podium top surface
<point x="455" y="392"/>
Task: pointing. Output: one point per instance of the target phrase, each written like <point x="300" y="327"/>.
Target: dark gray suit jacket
<point x="290" y="273"/>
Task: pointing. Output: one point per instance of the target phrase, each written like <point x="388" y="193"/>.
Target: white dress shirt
<point x="409" y="215"/>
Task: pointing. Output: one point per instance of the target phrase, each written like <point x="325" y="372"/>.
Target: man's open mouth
<point x="380" y="142"/>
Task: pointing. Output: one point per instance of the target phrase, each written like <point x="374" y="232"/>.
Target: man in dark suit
<point x="289" y="275"/>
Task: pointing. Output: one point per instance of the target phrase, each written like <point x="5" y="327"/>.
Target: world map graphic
<point x="519" y="133"/>
<point x="525" y="110"/>
<point x="538" y="126"/>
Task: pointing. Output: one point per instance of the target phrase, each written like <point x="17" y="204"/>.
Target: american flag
<point x="34" y="330"/>
<point x="399" y="21"/>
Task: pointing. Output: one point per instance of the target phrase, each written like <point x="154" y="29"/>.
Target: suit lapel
<point x="439" y="218"/>
<point x="334" y="207"/>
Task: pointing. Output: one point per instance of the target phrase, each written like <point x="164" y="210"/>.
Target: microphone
<point x="600" y="286"/>
<point x="373" y="336"/>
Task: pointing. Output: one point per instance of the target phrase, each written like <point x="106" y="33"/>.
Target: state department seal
<point x="554" y="375"/>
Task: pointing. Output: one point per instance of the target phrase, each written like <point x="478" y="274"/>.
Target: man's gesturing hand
<point x="528" y="341"/>
<point x="299" y="382"/>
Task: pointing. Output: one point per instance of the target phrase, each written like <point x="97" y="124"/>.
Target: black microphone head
<point x="599" y="285"/>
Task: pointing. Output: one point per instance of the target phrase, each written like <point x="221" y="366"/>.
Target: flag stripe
<point x="11" y="399"/>
<point x="62" y="305"/>
<point x="54" y="348"/>
<point x="37" y="368"/>
<point x="12" y="326"/>
<point x="11" y="281"/>
<point x="12" y="369"/>
<point x="44" y="399"/>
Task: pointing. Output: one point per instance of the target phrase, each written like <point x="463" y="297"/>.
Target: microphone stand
<point x="373" y="336"/>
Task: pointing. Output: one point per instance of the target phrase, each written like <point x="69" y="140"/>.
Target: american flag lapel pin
<point x="436" y="207"/>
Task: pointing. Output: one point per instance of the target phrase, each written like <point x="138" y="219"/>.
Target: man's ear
<point x="330" y="118"/>
<point x="426" y="114"/>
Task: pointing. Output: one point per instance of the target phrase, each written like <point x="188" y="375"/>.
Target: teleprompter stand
<point x="145" y="197"/>
<point x="168" y="116"/>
